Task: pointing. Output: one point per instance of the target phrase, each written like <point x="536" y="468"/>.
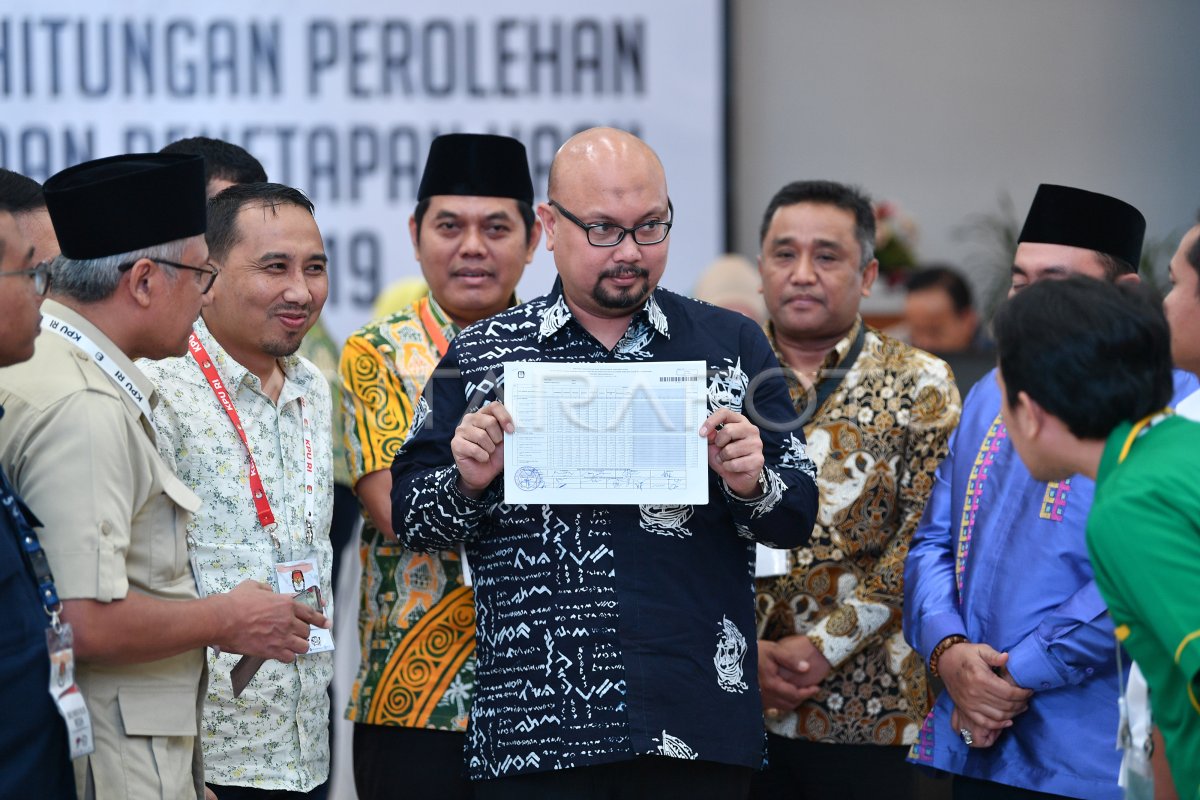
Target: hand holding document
<point x="478" y="447"/>
<point x="623" y="433"/>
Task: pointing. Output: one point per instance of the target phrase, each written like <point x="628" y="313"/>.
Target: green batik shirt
<point x="417" y="618"/>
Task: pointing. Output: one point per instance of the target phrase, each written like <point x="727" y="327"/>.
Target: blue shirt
<point x="33" y="737"/>
<point x="609" y="631"/>
<point x="1001" y="558"/>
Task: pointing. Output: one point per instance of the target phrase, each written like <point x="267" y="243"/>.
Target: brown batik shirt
<point x="876" y="440"/>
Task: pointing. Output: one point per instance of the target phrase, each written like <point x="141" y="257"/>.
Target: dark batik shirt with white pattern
<point x="609" y="631"/>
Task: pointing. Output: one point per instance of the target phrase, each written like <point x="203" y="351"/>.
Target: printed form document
<point x="623" y="433"/>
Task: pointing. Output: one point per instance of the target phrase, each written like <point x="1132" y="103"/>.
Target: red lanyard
<point x="262" y="507"/>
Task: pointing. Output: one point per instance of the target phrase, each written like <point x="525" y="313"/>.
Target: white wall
<point x="942" y="105"/>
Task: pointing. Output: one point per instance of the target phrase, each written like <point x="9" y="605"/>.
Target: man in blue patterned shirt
<point x="612" y="639"/>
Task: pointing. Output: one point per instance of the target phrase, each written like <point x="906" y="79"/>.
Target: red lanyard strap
<point x="262" y="507"/>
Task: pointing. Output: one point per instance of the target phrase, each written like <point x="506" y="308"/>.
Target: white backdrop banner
<point x="342" y="99"/>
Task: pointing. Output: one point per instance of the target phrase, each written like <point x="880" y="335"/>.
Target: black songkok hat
<point x="125" y="203"/>
<point x="1078" y="218"/>
<point x="477" y="165"/>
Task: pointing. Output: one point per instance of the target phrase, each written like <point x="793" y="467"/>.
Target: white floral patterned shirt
<point x="276" y="735"/>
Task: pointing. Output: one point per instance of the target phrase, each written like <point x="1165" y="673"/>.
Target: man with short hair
<point x="23" y="197"/>
<point x="225" y="163"/>
<point x="1143" y="533"/>
<point x="939" y="312"/>
<point x="473" y="233"/>
<point x="246" y="424"/>
<point x="999" y="596"/>
<point x="612" y="638"/>
<point x="877" y="414"/>
<point x="33" y="740"/>
<point x="78" y="444"/>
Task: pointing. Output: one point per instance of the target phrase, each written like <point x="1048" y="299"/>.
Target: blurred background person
<point x="732" y="282"/>
<point x="940" y="316"/>
<point x="940" y="312"/>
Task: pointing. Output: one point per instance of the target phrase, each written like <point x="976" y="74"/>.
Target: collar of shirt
<point x="118" y="356"/>
<point x="835" y="356"/>
<point x="296" y="378"/>
<point x="557" y="313"/>
<point x="449" y="328"/>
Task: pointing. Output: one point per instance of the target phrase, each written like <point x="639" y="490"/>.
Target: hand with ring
<point x="972" y="737"/>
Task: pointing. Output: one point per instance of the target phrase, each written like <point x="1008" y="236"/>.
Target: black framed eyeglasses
<point x="207" y="269"/>
<point x="40" y="273"/>
<point x="609" y="234"/>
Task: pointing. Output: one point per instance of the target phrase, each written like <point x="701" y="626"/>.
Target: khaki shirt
<point x="81" y="452"/>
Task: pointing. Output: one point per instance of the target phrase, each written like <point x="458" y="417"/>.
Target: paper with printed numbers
<point x="624" y="433"/>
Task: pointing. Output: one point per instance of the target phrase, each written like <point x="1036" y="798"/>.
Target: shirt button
<point x="105" y="528"/>
<point x="1090" y="670"/>
<point x="1045" y="684"/>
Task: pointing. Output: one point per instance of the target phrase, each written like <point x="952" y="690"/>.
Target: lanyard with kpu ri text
<point x="262" y="507"/>
<point x="101" y="359"/>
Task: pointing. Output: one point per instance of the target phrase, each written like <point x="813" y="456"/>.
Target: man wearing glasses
<point x="78" y="444"/>
<point x="615" y="642"/>
<point x="246" y="423"/>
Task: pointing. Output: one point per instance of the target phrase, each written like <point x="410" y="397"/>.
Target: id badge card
<point x="302" y="580"/>
<point x="769" y="561"/>
<point x="65" y="691"/>
<point x="466" y="566"/>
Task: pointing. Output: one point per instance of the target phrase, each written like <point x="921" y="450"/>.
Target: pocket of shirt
<point x="149" y="711"/>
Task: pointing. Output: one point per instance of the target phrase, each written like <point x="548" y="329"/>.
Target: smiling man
<point x="78" y="444"/>
<point x="473" y="232"/>
<point x="246" y="424"/>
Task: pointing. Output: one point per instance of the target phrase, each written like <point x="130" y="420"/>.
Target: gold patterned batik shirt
<point x="417" y="619"/>
<point x="877" y="441"/>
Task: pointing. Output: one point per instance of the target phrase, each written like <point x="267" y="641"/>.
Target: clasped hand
<point x="986" y="697"/>
<point x="789" y="672"/>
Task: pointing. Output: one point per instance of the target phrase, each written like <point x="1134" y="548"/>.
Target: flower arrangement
<point x="895" y="242"/>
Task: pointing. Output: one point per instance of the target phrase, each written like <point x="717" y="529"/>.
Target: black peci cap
<point x="1079" y="218"/>
<point x="125" y="203"/>
<point x="477" y="165"/>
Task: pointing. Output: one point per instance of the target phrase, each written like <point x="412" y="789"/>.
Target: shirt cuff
<point x="936" y="628"/>
<point x="1187" y="656"/>
<point x="1032" y="666"/>
<point x="765" y="501"/>
<point x="841" y="633"/>
<point x="89" y="575"/>
<point x="491" y="495"/>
